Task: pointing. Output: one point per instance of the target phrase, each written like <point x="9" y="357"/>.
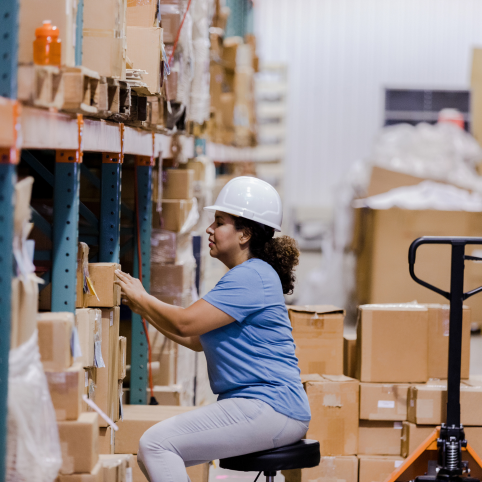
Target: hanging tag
<point x="75" y="344"/>
<point x="129" y="474"/>
<point x="90" y="285"/>
<point x="94" y="406"/>
<point x="121" y="407"/>
<point x="111" y="318"/>
<point x="86" y="379"/>
<point x="98" y="360"/>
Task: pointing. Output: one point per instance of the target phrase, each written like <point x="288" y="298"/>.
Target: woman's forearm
<point x="166" y="318"/>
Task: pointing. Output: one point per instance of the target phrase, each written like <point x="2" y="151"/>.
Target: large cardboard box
<point x="392" y="343"/>
<point x="171" y="279"/>
<point x="25" y="303"/>
<point x="382" y="239"/>
<point x="438" y="341"/>
<point x="384" y="180"/>
<point x="54" y="335"/>
<point x="144" y="49"/>
<point x="106" y="440"/>
<point x="141" y="14"/>
<point x="87" y="322"/>
<point x="379" y="437"/>
<point x="96" y="475"/>
<point x="82" y="265"/>
<point x="413" y="435"/>
<point x="62" y="14"/>
<point x="349" y="355"/>
<point x="104" y="37"/>
<point x="383" y="401"/>
<point x="66" y="390"/>
<point x="103" y="277"/>
<point x="196" y="473"/>
<point x="170" y="22"/>
<point x="373" y="468"/>
<point x="340" y="468"/>
<point x="318" y="335"/>
<point x="168" y="395"/>
<point x="474" y="438"/>
<point x="427" y="404"/>
<point x="178" y="184"/>
<point x="139" y="418"/>
<point x="174" y="214"/>
<point x="334" y="413"/>
<point x="78" y="441"/>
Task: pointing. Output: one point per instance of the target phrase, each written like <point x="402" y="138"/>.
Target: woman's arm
<point x="196" y="320"/>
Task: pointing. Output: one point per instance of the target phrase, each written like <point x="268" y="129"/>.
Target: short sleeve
<point x="239" y="293"/>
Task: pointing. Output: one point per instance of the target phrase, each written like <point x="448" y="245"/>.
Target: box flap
<point x="319" y="309"/>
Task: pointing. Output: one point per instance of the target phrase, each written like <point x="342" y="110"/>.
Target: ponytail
<point x="281" y="253"/>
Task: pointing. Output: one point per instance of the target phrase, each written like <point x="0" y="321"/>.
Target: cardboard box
<point x="54" y="335"/>
<point x="171" y="279"/>
<point x="198" y="167"/>
<point x="383" y="401"/>
<point x="168" y="395"/>
<point x="230" y="50"/>
<point x="103" y="276"/>
<point x="427" y="404"/>
<point x="122" y="364"/>
<point x="196" y="473"/>
<point x="413" y="436"/>
<point x="382" y="239"/>
<point x="117" y="467"/>
<point x="169" y="248"/>
<point x="62" y="14"/>
<point x="334" y="413"/>
<point x="139" y="418"/>
<point x="141" y="14"/>
<point x="66" y="390"/>
<point x="227" y="103"/>
<point x="106" y="440"/>
<point x="349" y="355"/>
<point x="438" y="341"/>
<point x="474" y="438"/>
<point x="144" y="49"/>
<point x="392" y="343"/>
<point x="476" y="94"/>
<point x="318" y="335"/>
<point x="87" y="322"/>
<point x="24" y="309"/>
<point x="170" y="22"/>
<point x="178" y="184"/>
<point x="384" y="180"/>
<point x="174" y="214"/>
<point x="373" y="468"/>
<point x="82" y="264"/>
<point x="379" y="438"/>
<point x="78" y="441"/>
<point x="340" y="468"/>
<point x="95" y="476"/>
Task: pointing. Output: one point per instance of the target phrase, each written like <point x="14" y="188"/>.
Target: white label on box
<point x="398" y="425"/>
<point x="398" y="463"/>
<point x="57" y="378"/>
<point x="86" y="379"/>
<point x="112" y="318"/>
<point x="75" y="344"/>
<point x="129" y="474"/>
<point x="98" y="360"/>
<point x="412" y="403"/>
<point x="386" y="404"/>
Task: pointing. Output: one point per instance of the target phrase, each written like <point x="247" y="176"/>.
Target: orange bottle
<point x="46" y="46"/>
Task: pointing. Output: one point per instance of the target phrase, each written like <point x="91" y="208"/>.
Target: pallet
<point x="109" y="98"/>
<point x="81" y="90"/>
<point x="40" y="85"/>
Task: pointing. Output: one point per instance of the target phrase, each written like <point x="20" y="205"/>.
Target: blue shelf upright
<point x="139" y="357"/>
<point x="66" y="226"/>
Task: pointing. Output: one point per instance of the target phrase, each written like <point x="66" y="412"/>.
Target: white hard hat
<point x="250" y="198"/>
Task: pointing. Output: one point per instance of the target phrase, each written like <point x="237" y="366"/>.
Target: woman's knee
<point x="153" y="441"/>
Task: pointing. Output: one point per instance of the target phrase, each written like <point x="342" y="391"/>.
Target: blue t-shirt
<point x="254" y="357"/>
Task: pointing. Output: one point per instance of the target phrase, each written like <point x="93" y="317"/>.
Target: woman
<point x="243" y="327"/>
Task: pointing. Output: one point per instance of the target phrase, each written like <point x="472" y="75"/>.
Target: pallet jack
<point x="446" y="455"/>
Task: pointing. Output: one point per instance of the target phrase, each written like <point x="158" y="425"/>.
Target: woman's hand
<point x="133" y="293"/>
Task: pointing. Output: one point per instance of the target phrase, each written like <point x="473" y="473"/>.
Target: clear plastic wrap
<point x="33" y="447"/>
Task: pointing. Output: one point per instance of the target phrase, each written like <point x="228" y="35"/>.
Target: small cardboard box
<point x="87" y="321"/>
<point x="54" y="335"/>
<point x="171" y="279"/>
<point x="139" y="418"/>
<point x="392" y="342"/>
<point x="377" y="468"/>
<point x="438" y="341"/>
<point x="82" y="263"/>
<point x="106" y="440"/>
<point x="318" y="335"/>
<point x="383" y="401"/>
<point x="96" y="475"/>
<point x="413" y="435"/>
<point x="78" y="441"/>
<point x="340" y="468"/>
<point x="144" y="49"/>
<point x="121" y="374"/>
<point x="103" y="277"/>
<point x="379" y="438"/>
<point x="349" y="355"/>
<point x="178" y="184"/>
<point x="334" y="413"/>
<point x="174" y="214"/>
<point x="168" y="395"/>
<point x="66" y="390"/>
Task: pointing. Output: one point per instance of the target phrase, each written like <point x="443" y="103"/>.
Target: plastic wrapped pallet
<point x="169" y="247"/>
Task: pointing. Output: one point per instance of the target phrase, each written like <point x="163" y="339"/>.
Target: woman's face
<point x="224" y="239"/>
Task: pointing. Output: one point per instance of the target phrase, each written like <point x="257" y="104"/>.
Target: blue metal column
<point x="9" y="10"/>
<point x="66" y="226"/>
<point x="79" y="32"/>
<point x="139" y="353"/>
<point x="110" y="204"/>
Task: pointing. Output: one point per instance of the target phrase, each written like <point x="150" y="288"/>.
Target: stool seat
<point x="300" y="455"/>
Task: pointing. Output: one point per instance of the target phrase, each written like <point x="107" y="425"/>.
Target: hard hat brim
<point x="235" y="212"/>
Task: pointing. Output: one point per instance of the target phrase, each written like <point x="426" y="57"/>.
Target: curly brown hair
<point x="281" y="253"/>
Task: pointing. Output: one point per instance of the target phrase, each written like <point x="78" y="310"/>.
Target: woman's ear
<point x="244" y="235"/>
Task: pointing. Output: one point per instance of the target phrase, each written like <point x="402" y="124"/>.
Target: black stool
<point x="301" y="455"/>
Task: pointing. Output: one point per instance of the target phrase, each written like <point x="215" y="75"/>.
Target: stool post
<point x="269" y="476"/>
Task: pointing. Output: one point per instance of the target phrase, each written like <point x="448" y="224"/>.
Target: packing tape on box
<point x="139" y="3"/>
<point x="97" y="32"/>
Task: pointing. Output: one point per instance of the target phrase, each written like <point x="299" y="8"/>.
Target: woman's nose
<point x="209" y="229"/>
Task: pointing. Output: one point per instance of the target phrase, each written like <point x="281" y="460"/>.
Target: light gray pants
<point x="231" y="427"/>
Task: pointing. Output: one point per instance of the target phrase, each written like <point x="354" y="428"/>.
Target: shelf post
<point x="9" y="11"/>
<point x="66" y="226"/>
<point x="110" y="205"/>
<point x="139" y="361"/>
